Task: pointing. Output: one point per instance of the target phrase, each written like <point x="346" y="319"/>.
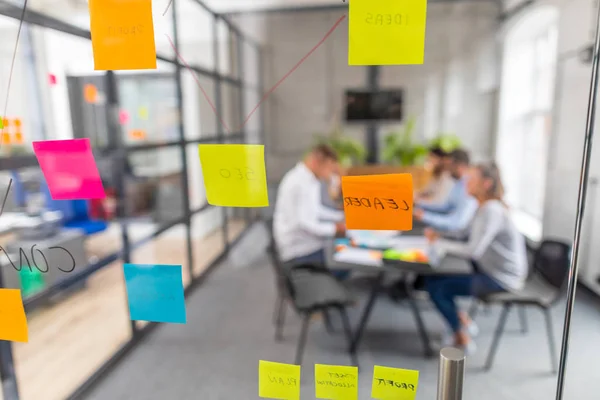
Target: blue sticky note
<point x="155" y="293"/>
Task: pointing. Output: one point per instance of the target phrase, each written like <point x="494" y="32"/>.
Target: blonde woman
<point x="495" y="247"/>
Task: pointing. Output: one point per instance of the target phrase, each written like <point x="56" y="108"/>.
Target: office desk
<point x="448" y="266"/>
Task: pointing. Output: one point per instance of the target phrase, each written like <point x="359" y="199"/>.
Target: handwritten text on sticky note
<point x="234" y="174"/>
<point x="394" y="383"/>
<point x="336" y="382"/>
<point x="155" y="293"/>
<point x="378" y="202"/>
<point x="386" y="32"/>
<point x="278" y="381"/>
<point x="69" y="168"/>
<point x="13" y="322"/>
<point x="122" y="34"/>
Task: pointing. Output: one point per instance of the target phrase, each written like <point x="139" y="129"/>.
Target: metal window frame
<point x="119" y="151"/>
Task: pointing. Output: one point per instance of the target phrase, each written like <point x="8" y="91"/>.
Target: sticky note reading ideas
<point x="378" y="202"/>
<point x="336" y="382"/>
<point x="122" y="34"/>
<point x="278" y="381"/>
<point x="394" y="383"/>
<point x="234" y="174"/>
<point x="155" y="293"/>
<point x="386" y="32"/>
<point x="13" y="322"/>
<point x="69" y="168"/>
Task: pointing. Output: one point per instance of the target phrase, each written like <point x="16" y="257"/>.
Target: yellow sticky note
<point x="336" y="382"/>
<point x="386" y="32"/>
<point x="278" y="381"/>
<point x="234" y="174"/>
<point x="13" y="322"/>
<point x="143" y="113"/>
<point x="122" y="34"/>
<point x="394" y="383"/>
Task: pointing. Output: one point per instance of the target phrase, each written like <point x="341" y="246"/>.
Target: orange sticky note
<point x="13" y="322"/>
<point x="378" y="202"/>
<point x="90" y="93"/>
<point x="19" y="138"/>
<point x="6" y="138"/>
<point x="122" y="34"/>
<point x="17" y="122"/>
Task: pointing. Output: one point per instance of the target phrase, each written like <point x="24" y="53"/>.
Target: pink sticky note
<point x="70" y="169"/>
<point x="123" y="117"/>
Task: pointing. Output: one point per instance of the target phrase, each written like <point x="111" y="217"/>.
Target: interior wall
<point x="310" y="100"/>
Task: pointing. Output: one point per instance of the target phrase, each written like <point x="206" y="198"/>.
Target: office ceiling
<point x="222" y="6"/>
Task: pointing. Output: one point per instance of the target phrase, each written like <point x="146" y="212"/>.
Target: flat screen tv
<point x="381" y="105"/>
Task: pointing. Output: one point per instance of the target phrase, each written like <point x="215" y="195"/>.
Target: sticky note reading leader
<point x="336" y="382"/>
<point x="378" y="202"/>
<point x="278" y="381"/>
<point x="13" y="322"/>
<point x="122" y="34"/>
<point x="386" y="32"/>
<point x="155" y="293"/>
<point x="70" y="169"/>
<point x="234" y="174"/>
<point x="394" y="383"/>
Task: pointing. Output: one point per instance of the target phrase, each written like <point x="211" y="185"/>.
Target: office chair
<point x="310" y="290"/>
<point x="544" y="288"/>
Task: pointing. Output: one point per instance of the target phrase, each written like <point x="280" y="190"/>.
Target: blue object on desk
<point x="155" y="293"/>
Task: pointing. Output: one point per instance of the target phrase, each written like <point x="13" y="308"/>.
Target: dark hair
<point x="492" y="172"/>
<point x="460" y="156"/>
<point x="438" y="151"/>
<point x="325" y="151"/>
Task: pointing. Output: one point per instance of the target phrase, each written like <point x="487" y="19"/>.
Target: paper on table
<point x="386" y="32"/>
<point x="278" y="381"/>
<point x="336" y="382"/>
<point x="378" y="202"/>
<point x="13" y="321"/>
<point x="155" y="293"/>
<point x="353" y="255"/>
<point x="69" y="168"/>
<point x="234" y="174"/>
<point x="394" y="383"/>
<point x="122" y="34"/>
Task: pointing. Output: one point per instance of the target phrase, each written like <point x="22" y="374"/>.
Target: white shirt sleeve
<point x="309" y="208"/>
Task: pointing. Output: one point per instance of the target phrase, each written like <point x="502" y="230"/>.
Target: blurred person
<point x="301" y="222"/>
<point x="495" y="248"/>
<point x="456" y="212"/>
<point x="441" y="183"/>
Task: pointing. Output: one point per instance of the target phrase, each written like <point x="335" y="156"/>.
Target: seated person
<point x="300" y="219"/>
<point x="441" y="183"/>
<point x="495" y="247"/>
<point x="457" y="211"/>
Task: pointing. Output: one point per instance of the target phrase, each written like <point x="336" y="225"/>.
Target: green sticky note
<point x="336" y="382"/>
<point x="394" y="383"/>
<point x="234" y="174"/>
<point x="32" y="282"/>
<point x="278" y="381"/>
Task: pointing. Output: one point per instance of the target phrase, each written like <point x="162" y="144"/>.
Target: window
<point x="526" y="101"/>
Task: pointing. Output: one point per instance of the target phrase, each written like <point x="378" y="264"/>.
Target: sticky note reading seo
<point x="394" y="383"/>
<point x="13" y="321"/>
<point x="234" y="174"/>
<point x="386" y="32"/>
<point x="155" y="293"/>
<point x="70" y="169"/>
<point x="378" y="202"/>
<point x="122" y="34"/>
<point x="336" y="382"/>
<point x="278" y="381"/>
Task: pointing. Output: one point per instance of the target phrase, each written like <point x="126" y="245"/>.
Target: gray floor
<point x="215" y="355"/>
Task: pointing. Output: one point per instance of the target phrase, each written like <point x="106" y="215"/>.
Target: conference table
<point x="361" y="259"/>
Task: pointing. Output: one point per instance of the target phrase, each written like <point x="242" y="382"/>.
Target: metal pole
<point x="581" y="200"/>
<point x="451" y="374"/>
<point x="185" y="184"/>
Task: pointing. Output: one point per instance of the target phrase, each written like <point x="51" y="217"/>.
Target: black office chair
<point x="310" y="289"/>
<point x="544" y="288"/>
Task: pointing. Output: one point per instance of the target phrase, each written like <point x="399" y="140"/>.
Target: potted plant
<point x="446" y="141"/>
<point x="349" y="151"/>
<point x="401" y="148"/>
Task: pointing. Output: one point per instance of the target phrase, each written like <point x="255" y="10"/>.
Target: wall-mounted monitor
<point x="381" y="105"/>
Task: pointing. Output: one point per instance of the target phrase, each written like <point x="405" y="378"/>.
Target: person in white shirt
<point x="301" y="222"/>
